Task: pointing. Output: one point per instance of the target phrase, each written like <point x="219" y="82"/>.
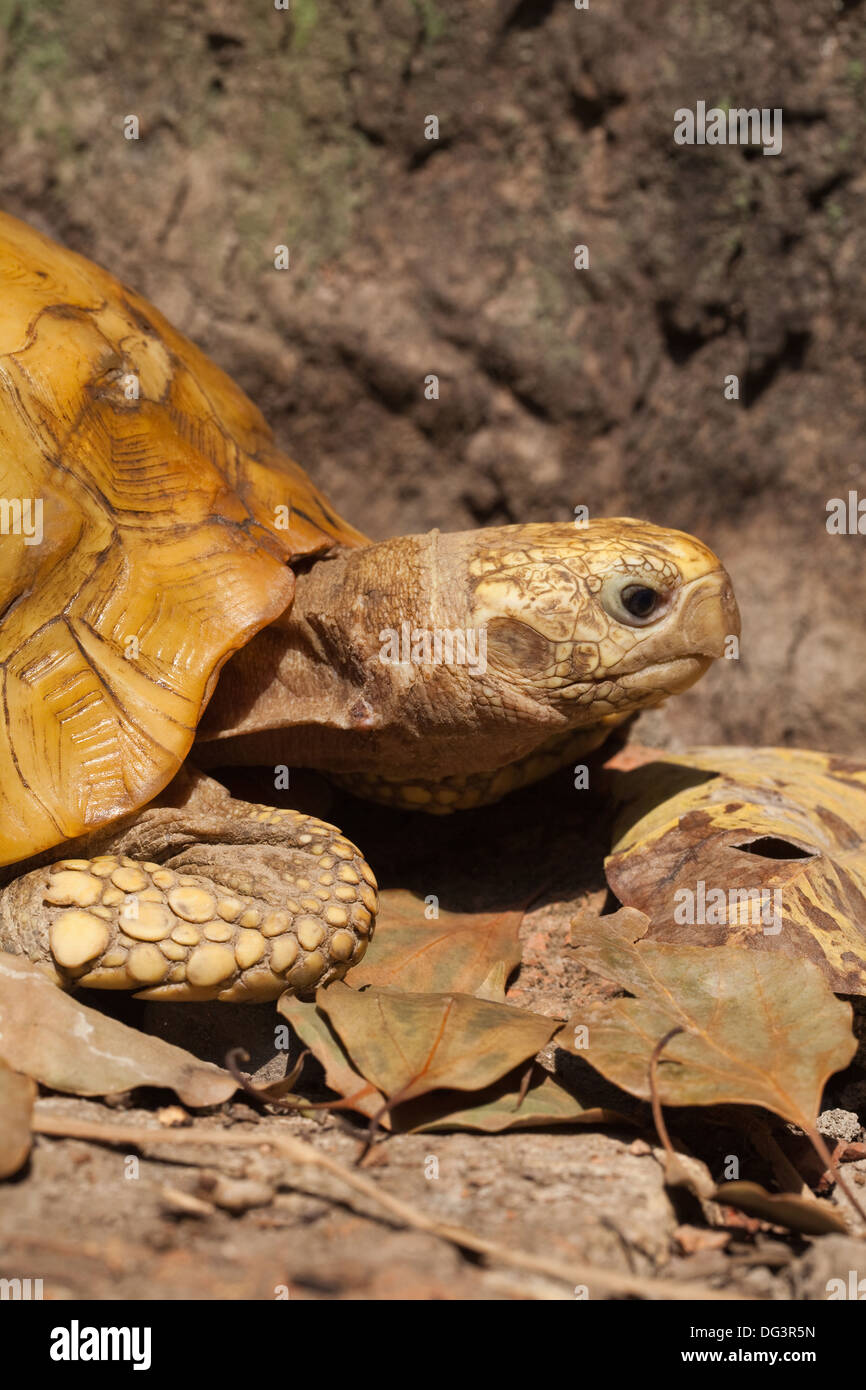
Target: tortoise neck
<point x="376" y="668"/>
<point x="317" y="684"/>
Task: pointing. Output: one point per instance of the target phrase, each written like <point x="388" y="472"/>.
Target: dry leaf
<point x="755" y="847"/>
<point x="408" y="1044"/>
<point x="316" y="1033"/>
<point x="17" y="1094"/>
<point x="52" y="1037"/>
<point x="508" y="1104"/>
<point x="493" y="1110"/>
<point x="759" y="1030"/>
<point x="457" y="953"/>
<point x="782" y="1209"/>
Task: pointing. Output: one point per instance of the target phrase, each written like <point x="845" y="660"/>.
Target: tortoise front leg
<point x="238" y="902"/>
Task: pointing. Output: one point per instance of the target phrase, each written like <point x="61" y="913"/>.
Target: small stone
<point x="173" y="1117"/>
<point x="236" y="1194"/>
<point x="839" y="1124"/>
<point x="693" y="1240"/>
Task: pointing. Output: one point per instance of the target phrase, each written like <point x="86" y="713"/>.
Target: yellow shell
<point x="143" y="539"/>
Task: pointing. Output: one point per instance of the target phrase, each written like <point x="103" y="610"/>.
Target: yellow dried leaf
<point x="757" y="847"/>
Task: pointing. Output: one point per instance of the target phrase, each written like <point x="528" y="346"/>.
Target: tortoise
<point x="177" y="595"/>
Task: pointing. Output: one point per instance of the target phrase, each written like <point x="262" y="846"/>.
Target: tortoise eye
<point x="639" y="600"/>
<point x="631" y="603"/>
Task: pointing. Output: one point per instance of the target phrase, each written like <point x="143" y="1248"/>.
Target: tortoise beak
<point x="709" y="614"/>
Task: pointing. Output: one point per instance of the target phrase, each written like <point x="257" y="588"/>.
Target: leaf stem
<point x="817" y="1141"/>
<point x="658" y="1117"/>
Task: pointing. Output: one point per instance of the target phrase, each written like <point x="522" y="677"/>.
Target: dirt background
<point x="602" y="387"/>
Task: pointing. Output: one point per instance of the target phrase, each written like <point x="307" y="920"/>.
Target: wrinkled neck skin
<point x="312" y="690"/>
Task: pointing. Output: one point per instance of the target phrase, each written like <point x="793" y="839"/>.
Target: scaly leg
<point x="236" y="902"/>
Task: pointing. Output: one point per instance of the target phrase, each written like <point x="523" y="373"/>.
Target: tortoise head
<point x="429" y="660"/>
<point x="602" y="620"/>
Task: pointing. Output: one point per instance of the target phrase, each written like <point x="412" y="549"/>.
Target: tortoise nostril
<point x="710" y="615"/>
